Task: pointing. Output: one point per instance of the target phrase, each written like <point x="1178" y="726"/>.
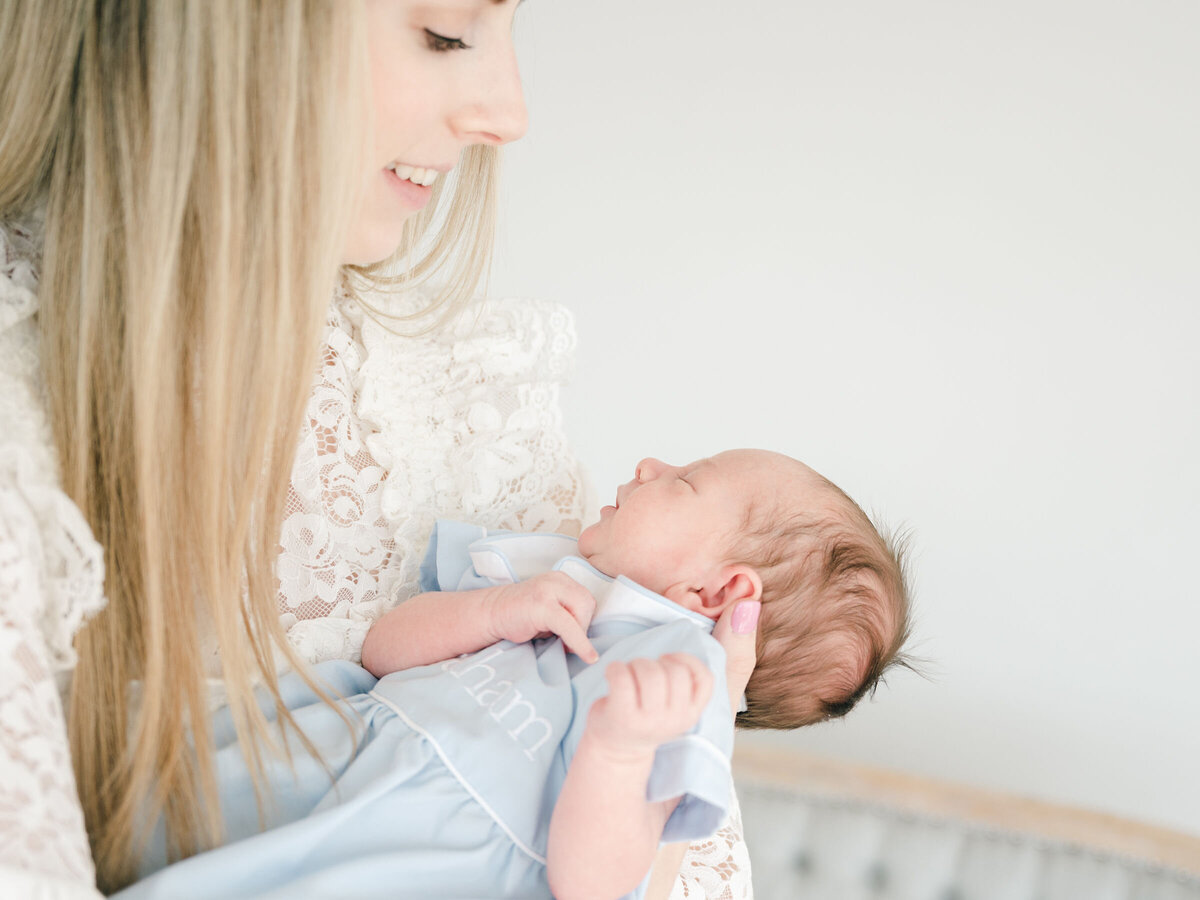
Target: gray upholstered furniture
<point x="820" y="830"/>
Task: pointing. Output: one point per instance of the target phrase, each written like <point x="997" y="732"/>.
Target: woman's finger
<point x="737" y="632"/>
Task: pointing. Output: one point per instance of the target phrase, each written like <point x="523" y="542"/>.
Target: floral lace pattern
<point x="69" y="562"/>
<point x="718" y="868"/>
<point x="335" y="544"/>
<point x="460" y="422"/>
<point x="51" y="580"/>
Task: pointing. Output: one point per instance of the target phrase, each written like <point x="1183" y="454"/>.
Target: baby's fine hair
<point x="835" y="610"/>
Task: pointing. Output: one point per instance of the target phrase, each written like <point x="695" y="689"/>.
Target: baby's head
<point x="751" y="524"/>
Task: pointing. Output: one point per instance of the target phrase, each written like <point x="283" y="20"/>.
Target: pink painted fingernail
<point x="745" y="617"/>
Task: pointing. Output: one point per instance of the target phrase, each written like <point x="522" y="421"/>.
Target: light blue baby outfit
<point x="447" y="785"/>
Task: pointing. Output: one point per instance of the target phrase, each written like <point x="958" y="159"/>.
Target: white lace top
<point x="462" y="422"/>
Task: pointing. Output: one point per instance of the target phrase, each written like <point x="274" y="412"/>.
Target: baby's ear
<point x="728" y="585"/>
<point x="688" y="598"/>
<point x="734" y="584"/>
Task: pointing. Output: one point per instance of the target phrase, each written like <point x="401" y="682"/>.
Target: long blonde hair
<point x="191" y="161"/>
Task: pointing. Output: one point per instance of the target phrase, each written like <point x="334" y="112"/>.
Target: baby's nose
<point x="649" y="469"/>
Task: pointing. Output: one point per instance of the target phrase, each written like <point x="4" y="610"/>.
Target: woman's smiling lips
<point x="415" y="196"/>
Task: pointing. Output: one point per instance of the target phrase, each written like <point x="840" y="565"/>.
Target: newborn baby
<point x="552" y="710"/>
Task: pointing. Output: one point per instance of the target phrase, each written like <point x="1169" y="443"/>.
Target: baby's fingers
<point x="690" y="681"/>
<point x="622" y="689"/>
<point x="656" y="685"/>
<point x="579" y="602"/>
<point x="567" y="627"/>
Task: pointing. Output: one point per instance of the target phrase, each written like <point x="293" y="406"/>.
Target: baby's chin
<point x="587" y="540"/>
<point x="596" y="556"/>
<point x="596" y="537"/>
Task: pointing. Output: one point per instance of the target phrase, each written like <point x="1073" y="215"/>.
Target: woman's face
<point x="443" y="76"/>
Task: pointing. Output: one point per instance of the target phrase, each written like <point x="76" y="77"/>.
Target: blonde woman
<point x="225" y="432"/>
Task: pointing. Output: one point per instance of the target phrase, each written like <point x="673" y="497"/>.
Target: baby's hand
<point x="649" y="702"/>
<point x="550" y="603"/>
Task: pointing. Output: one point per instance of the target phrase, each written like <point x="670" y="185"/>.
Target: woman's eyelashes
<point x="439" y="43"/>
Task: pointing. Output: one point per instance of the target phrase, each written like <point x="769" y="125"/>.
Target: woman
<point x="183" y="187"/>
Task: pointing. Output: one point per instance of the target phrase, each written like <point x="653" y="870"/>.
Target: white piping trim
<point x="453" y="771"/>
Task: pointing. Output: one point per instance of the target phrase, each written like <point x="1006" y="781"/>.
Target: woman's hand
<point x="737" y="632"/>
<point x="550" y="603"/>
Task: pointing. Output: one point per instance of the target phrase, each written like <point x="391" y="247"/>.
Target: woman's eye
<point x="440" y="43"/>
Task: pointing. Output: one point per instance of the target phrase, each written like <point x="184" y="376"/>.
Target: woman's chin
<point x="374" y="239"/>
<point x="368" y="251"/>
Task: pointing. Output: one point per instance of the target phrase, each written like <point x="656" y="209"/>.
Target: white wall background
<point x="948" y="254"/>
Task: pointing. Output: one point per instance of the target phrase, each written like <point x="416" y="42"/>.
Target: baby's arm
<point x="440" y="625"/>
<point x="604" y="833"/>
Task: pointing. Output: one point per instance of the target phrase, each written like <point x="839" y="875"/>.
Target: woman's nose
<point x="498" y="114"/>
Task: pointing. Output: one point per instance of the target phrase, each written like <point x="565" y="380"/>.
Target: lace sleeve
<point x="718" y="868"/>
<point x="51" y="580"/>
<point x="43" y="845"/>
